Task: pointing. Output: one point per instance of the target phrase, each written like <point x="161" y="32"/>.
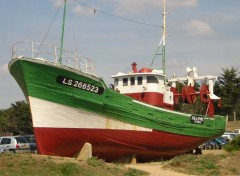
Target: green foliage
<point x="196" y="164"/>
<point x="228" y="88"/>
<point x="69" y="168"/>
<point x="135" y="172"/>
<point x="234" y="145"/>
<point x="95" y="162"/>
<point x="16" y="119"/>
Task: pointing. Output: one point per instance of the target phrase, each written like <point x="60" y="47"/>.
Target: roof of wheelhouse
<point x="143" y="71"/>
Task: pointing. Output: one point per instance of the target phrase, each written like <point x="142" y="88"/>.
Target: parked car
<point x="233" y="135"/>
<point x="209" y="145"/>
<point x="237" y="131"/>
<point x="31" y="140"/>
<point x="223" y="140"/>
<point x="228" y="137"/>
<point x="219" y="143"/>
<point x="14" y="144"/>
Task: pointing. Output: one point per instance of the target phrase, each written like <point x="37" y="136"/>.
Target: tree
<point x="228" y="88"/>
<point x="16" y="119"/>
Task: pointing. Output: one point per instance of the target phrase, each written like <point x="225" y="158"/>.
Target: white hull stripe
<point x="52" y="115"/>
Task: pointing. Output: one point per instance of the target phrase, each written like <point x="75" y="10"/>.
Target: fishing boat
<point x="136" y="115"/>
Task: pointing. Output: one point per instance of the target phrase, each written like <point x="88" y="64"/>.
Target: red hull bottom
<point x="114" y="144"/>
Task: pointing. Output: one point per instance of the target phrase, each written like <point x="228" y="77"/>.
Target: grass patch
<point x="68" y="169"/>
<point x="226" y="163"/>
<point x="234" y="145"/>
<point x="135" y="172"/>
<point x="95" y="162"/>
<point x="38" y="165"/>
<point x="195" y="164"/>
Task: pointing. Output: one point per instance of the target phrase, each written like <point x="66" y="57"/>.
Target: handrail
<point x="50" y="53"/>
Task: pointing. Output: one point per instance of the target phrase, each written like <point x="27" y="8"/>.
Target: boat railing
<point x="50" y="53"/>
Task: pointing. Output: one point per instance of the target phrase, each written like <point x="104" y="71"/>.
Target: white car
<point x="228" y="137"/>
<point x="232" y="134"/>
<point x="14" y="144"/>
<point x="237" y="131"/>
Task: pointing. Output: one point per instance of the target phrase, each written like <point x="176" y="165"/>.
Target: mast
<point x="62" y="36"/>
<point x="162" y="42"/>
<point x="164" y="38"/>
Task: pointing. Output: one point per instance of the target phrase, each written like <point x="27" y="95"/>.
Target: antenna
<point x="162" y="42"/>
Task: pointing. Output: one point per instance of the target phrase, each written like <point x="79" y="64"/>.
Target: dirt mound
<point x="232" y="125"/>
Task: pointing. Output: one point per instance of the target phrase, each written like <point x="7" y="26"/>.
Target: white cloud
<point x="82" y="10"/>
<point x="182" y="3"/>
<point x="198" y="28"/>
<point x="174" y="62"/>
<point x="4" y="69"/>
<point x="136" y="6"/>
<point x="56" y="3"/>
<point x="126" y="6"/>
<point x="75" y="7"/>
<point x="222" y="17"/>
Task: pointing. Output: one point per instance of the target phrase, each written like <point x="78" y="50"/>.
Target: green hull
<point x="48" y="81"/>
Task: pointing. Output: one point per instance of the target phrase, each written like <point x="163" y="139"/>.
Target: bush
<point x="234" y="145"/>
<point x="95" y="162"/>
<point x="135" y="172"/>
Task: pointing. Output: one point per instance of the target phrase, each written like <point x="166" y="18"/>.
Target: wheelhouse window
<point x="125" y="81"/>
<point x="152" y="79"/>
<point x="139" y="79"/>
<point x="116" y="82"/>
<point x="132" y="80"/>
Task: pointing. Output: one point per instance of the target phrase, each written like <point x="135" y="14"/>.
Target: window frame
<point x="125" y="81"/>
<point x="139" y="80"/>
<point x="152" y="79"/>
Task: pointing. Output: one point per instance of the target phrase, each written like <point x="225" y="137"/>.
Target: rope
<point x="115" y="16"/>
<point x="48" y="29"/>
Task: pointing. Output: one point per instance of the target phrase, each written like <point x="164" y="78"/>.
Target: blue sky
<point x="202" y="33"/>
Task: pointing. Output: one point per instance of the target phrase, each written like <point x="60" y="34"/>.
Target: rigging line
<point x="48" y="29"/>
<point x="109" y="14"/>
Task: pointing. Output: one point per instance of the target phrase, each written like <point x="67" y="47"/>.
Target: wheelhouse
<point x="146" y="85"/>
